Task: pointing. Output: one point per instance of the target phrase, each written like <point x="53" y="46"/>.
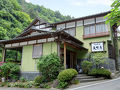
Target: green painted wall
<point x="28" y="63"/>
<point x="49" y="48"/>
<point x="118" y="47"/>
<point x="79" y="35"/>
<point x="118" y="44"/>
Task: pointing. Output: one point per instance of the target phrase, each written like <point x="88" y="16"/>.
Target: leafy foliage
<point x="12" y="19"/>
<point x="38" y="80"/>
<point x="100" y="72"/>
<point x="62" y="84"/>
<point x="11" y="56"/>
<point x="21" y="84"/>
<point x="98" y="58"/>
<point x="52" y="64"/>
<point x="42" y="12"/>
<point x="3" y="33"/>
<point x="67" y="75"/>
<point x="22" y="79"/>
<point x="15" y="16"/>
<point x="10" y="70"/>
<point x="114" y="15"/>
<point x="86" y="66"/>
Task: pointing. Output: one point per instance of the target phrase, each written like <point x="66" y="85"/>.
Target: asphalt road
<point x="107" y="85"/>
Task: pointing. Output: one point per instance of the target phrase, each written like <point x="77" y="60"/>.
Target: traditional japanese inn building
<point x="72" y="40"/>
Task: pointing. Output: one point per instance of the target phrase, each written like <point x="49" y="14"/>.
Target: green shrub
<point x="17" y="84"/>
<point x="93" y="72"/>
<point x="100" y="73"/>
<point x="67" y="75"/>
<point x="29" y="84"/>
<point x="22" y="79"/>
<point x="49" y="66"/>
<point x="47" y="86"/>
<point x="38" y="80"/>
<point x="10" y="70"/>
<point x="98" y="59"/>
<point x="75" y="82"/>
<point x="21" y="84"/>
<point x="8" y="85"/>
<point x="3" y="84"/>
<point x="62" y="84"/>
<point x="86" y="66"/>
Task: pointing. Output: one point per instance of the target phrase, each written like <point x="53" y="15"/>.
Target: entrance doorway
<point x="71" y="59"/>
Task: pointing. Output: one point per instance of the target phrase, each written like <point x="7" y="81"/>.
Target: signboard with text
<point x="97" y="46"/>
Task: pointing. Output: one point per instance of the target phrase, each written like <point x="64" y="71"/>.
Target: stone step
<point x="90" y="79"/>
<point x="84" y="77"/>
<point x="81" y="75"/>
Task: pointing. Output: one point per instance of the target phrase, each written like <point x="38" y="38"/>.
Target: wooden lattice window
<point x="71" y="31"/>
<point x="37" y="51"/>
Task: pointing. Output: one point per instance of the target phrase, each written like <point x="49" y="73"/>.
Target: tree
<point x="114" y="15"/>
<point x="114" y="19"/>
<point x="2" y="33"/>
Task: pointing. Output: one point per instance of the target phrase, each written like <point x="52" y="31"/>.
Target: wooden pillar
<point x="65" y="55"/>
<point x="58" y="48"/>
<point x="16" y="54"/>
<point x="3" y="54"/>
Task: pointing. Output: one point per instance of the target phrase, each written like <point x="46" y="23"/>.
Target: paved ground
<point x="106" y="85"/>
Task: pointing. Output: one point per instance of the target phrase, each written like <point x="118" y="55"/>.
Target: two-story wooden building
<point x="72" y="40"/>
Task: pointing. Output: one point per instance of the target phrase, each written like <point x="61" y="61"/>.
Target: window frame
<point x="95" y="34"/>
<point x="67" y="29"/>
<point x="41" y="51"/>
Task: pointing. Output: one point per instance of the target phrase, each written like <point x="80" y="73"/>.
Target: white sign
<point x="96" y="47"/>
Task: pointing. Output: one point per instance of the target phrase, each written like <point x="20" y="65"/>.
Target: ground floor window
<point x="37" y="51"/>
<point x="13" y="55"/>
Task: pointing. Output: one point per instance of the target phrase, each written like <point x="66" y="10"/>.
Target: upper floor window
<point x="71" y="31"/>
<point x="89" y="29"/>
<point x="95" y="28"/>
<point x="101" y="27"/>
<point x="60" y="26"/>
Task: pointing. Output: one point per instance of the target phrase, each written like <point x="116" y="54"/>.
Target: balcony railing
<point x="101" y="34"/>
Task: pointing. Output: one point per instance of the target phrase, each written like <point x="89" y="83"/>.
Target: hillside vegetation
<point x="44" y="13"/>
<point x="16" y="15"/>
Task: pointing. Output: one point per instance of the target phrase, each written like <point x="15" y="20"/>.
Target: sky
<point x="75" y="8"/>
